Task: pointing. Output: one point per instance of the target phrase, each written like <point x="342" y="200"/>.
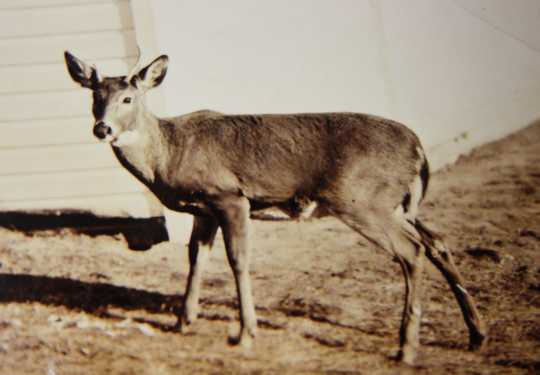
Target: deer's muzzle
<point x="102" y="130"/>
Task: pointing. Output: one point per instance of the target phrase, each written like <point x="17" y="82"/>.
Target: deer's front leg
<point x="234" y="221"/>
<point x="201" y="241"/>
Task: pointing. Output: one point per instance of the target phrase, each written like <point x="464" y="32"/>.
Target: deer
<point x="226" y="170"/>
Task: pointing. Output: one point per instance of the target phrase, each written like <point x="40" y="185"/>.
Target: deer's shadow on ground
<point x="98" y="298"/>
<point x="91" y="297"/>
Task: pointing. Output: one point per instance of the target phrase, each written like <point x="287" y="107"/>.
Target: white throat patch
<point x="126" y="138"/>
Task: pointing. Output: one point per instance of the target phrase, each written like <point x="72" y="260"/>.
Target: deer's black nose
<point x="101" y="130"/>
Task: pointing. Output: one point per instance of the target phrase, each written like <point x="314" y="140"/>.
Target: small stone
<point x="146" y="329"/>
<point x="525" y="232"/>
<point x="482" y="252"/>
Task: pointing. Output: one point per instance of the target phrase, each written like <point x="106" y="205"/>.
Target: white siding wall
<point x="49" y="158"/>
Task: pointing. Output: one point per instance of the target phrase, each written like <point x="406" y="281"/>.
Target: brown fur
<point x="275" y="159"/>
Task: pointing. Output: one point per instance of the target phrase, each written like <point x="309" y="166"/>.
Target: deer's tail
<point x="417" y="190"/>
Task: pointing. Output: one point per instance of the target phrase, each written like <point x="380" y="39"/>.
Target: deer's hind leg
<point x="441" y="257"/>
<point x="387" y="232"/>
<point x="201" y="241"/>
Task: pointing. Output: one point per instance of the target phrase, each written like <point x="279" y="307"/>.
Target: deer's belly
<point x="297" y="208"/>
<point x="194" y="207"/>
<point x="293" y="210"/>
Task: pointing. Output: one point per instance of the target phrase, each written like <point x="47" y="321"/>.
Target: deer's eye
<point x="127" y="100"/>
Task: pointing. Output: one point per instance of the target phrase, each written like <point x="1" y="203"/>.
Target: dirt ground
<point x="327" y="302"/>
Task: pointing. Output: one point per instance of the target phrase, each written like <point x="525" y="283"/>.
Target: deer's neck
<point x="144" y="155"/>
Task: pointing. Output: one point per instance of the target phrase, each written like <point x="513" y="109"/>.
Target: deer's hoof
<point x="406" y="355"/>
<point x="244" y="340"/>
<point x="183" y="326"/>
<point x="477" y="342"/>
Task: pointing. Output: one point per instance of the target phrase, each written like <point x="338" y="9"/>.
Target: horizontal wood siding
<point x="91" y="46"/>
<point x="28" y="22"/>
<point x="49" y="158"/>
<point x="68" y="185"/>
<point x="20" y="79"/>
<point x="37" y="106"/>
<point x="134" y="204"/>
<point x="53" y="159"/>
<point x="48" y="132"/>
<point x="25" y="4"/>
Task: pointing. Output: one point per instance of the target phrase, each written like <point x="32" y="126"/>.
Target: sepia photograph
<point x="269" y="187"/>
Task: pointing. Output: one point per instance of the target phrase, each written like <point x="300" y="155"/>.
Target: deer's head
<point x="117" y="101"/>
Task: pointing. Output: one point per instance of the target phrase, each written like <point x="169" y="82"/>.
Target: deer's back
<point x="276" y="157"/>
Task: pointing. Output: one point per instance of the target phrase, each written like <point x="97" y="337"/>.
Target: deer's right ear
<point x="82" y="73"/>
<point x="151" y="75"/>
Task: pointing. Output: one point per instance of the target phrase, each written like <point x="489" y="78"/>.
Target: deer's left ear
<point x="151" y="75"/>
